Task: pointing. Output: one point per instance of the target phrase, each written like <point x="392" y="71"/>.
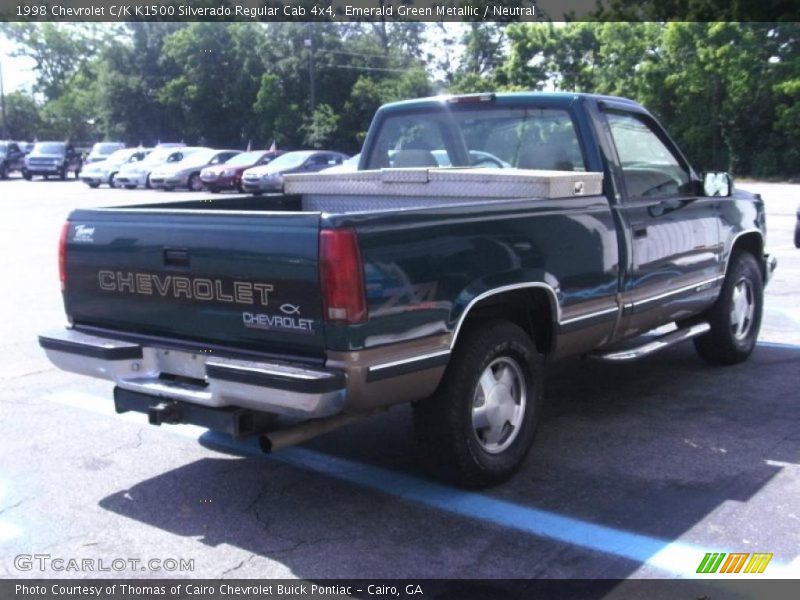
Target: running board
<point x="651" y="347"/>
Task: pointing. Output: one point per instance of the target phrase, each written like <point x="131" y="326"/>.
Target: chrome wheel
<point x="743" y="306"/>
<point x="498" y="404"/>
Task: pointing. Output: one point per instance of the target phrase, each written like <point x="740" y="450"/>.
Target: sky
<point x="17" y="72"/>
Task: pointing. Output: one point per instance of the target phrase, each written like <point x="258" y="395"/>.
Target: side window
<point x="649" y="168"/>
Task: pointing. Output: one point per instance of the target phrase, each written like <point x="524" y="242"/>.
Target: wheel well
<point x="530" y="309"/>
<point x="752" y="243"/>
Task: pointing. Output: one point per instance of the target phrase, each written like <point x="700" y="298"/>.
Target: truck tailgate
<point x="243" y="279"/>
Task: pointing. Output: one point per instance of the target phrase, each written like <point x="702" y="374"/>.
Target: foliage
<point x="729" y="93"/>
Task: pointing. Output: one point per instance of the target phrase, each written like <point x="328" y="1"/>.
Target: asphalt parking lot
<point x="638" y="470"/>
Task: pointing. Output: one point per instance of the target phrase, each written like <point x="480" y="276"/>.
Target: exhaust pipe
<point x="297" y="434"/>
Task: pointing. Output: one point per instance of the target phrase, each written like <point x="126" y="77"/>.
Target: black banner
<point x="397" y="10"/>
<point x="402" y="589"/>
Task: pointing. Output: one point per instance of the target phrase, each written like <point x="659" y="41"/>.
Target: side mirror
<point x="717" y="183"/>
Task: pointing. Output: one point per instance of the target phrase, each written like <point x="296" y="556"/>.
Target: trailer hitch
<point x="164" y="412"/>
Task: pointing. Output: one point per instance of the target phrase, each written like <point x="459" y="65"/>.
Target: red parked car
<point x="228" y="176"/>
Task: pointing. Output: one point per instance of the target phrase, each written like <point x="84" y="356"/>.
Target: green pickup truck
<point x="481" y="237"/>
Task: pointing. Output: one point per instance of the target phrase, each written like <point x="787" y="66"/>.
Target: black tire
<point x="94" y="186"/>
<point x="449" y="441"/>
<point x="147" y="182"/>
<point x="4" y="171"/>
<point x="130" y="187"/>
<point x="78" y="173"/>
<point x="62" y="174"/>
<point x="111" y="178"/>
<point x="194" y="184"/>
<point x="733" y="337"/>
<point x="797" y="233"/>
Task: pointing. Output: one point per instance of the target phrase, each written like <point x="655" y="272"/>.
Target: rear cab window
<point x="496" y="137"/>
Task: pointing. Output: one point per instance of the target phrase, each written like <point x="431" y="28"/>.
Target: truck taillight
<point x="341" y="276"/>
<point x="62" y="256"/>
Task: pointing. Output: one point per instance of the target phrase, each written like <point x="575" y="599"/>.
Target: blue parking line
<point x="674" y="557"/>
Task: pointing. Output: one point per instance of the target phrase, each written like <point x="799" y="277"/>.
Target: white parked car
<point x="186" y="173"/>
<point x="138" y="174"/>
<point x="105" y="171"/>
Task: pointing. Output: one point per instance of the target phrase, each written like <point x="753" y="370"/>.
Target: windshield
<point x="3" y="148"/>
<point x="50" y="148"/>
<point x="290" y="160"/>
<point x="105" y="149"/>
<point x="498" y="137"/>
<point x="121" y="156"/>
<point x="200" y="157"/>
<point x="158" y="156"/>
<point x="244" y="159"/>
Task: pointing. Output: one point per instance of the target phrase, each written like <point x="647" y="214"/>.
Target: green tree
<point x="22" y="117"/>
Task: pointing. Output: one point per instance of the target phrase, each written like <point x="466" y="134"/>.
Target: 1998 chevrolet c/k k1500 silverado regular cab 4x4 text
<point x="569" y="224"/>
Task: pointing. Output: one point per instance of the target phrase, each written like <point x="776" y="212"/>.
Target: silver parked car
<point x="134" y="175"/>
<point x="186" y="173"/>
<point x="105" y="171"/>
<point x="269" y="178"/>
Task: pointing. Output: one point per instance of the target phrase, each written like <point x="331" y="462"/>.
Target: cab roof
<point x="555" y="98"/>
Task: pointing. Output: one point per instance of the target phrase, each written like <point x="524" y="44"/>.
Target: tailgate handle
<point x="176" y="258"/>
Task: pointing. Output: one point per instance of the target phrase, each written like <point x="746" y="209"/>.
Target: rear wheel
<point x="3" y="171"/>
<point x="735" y="318"/>
<point x="111" y="178"/>
<point x="480" y="424"/>
<point x="147" y="183"/>
<point x="94" y="185"/>
<point x="26" y="175"/>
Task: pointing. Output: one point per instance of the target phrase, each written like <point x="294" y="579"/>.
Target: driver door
<point x="673" y="233"/>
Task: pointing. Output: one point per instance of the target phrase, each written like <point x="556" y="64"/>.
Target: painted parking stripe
<point x="676" y="558"/>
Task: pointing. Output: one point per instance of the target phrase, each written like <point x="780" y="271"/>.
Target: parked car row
<point x="197" y="168"/>
<point x="168" y="166"/>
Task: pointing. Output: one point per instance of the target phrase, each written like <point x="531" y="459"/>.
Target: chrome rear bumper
<point x="200" y="378"/>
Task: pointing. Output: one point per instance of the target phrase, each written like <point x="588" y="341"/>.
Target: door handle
<point x="640" y="232"/>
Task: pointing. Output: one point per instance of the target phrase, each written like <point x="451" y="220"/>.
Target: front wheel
<point x="735" y="318"/>
<point x="480" y="424"/>
<point x="3" y="171"/>
<point x="26" y="175"/>
<point x="194" y="183"/>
